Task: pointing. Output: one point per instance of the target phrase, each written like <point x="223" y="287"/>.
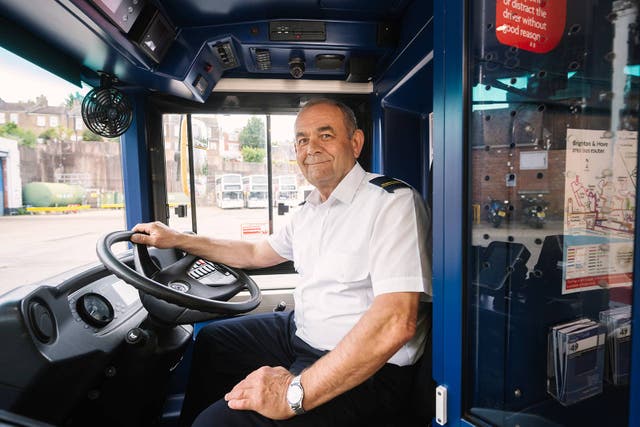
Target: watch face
<point x="294" y="394"/>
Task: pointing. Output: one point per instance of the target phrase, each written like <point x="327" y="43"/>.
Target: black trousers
<point x="227" y="351"/>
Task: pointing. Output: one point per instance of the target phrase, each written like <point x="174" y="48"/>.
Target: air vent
<point x="263" y="59"/>
<point x="225" y="54"/>
<point x="42" y="321"/>
<point x="329" y="61"/>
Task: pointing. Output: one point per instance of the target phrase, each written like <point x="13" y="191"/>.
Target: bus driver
<point x="346" y="355"/>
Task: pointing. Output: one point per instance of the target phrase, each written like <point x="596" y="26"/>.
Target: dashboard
<point x="60" y="336"/>
<point x="82" y="344"/>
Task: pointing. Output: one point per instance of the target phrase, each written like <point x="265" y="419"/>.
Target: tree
<point x="253" y="134"/>
<point x="254" y="155"/>
<point x="72" y="98"/>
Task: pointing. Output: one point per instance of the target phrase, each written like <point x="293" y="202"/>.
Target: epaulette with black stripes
<point x="389" y="184"/>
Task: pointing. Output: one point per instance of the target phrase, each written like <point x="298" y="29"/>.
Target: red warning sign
<point x="533" y="25"/>
<point x="254" y="231"/>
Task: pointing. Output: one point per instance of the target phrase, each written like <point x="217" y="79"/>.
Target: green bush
<point x="253" y="155"/>
<point x="87" y="135"/>
<point x="50" y="133"/>
<point x="25" y="137"/>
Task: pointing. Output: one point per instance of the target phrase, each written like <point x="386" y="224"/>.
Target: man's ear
<point x="357" y="142"/>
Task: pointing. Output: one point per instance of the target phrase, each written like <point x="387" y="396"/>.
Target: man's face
<point x="324" y="149"/>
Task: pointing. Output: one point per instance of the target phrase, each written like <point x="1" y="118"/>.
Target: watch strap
<point x="297" y="406"/>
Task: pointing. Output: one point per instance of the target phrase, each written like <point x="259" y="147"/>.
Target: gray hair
<point x="350" y="122"/>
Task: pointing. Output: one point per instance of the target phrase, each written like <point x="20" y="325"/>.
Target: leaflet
<point x="617" y="322"/>
<point x="575" y="360"/>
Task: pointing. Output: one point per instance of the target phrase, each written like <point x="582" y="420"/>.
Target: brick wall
<point x="99" y="160"/>
<point x="489" y="169"/>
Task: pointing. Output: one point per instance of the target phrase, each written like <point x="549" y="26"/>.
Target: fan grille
<point x="107" y="112"/>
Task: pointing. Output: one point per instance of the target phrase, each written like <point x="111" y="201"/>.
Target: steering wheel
<point x="186" y="291"/>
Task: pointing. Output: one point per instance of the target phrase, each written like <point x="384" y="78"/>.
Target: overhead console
<point x="189" y="61"/>
<point x="214" y="58"/>
<point x="144" y="25"/>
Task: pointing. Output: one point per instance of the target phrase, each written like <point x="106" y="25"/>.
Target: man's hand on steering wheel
<point x="156" y="234"/>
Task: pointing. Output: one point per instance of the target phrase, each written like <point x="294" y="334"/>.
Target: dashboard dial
<point x="95" y="309"/>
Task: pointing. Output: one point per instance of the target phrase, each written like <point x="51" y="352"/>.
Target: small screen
<point x="128" y="293"/>
<point x="112" y="4"/>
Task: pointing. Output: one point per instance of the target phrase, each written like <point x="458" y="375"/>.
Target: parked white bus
<point x="286" y="190"/>
<point x="229" y="191"/>
<point x="255" y="191"/>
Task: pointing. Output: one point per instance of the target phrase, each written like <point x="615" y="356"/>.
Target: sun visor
<point x="41" y="53"/>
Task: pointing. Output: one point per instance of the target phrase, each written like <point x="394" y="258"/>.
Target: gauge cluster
<point x="105" y="301"/>
<point x="94" y="309"/>
<point x="79" y="316"/>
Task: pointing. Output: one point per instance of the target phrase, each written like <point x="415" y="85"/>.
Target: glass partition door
<point x="552" y="148"/>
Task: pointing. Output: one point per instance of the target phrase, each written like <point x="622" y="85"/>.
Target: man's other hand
<point x="263" y="391"/>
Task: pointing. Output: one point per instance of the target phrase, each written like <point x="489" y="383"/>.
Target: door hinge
<point x="441" y="405"/>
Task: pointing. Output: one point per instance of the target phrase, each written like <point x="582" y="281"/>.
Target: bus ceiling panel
<point x="195" y="13"/>
<point x="414" y="57"/>
<point x="413" y="94"/>
<point x="350" y="52"/>
<point x="417" y="14"/>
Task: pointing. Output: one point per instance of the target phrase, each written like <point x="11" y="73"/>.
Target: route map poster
<point x="599" y="201"/>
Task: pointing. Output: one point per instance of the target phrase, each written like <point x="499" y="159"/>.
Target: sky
<point x="20" y="80"/>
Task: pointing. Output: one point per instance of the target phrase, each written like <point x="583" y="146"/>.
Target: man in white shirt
<point x="361" y="246"/>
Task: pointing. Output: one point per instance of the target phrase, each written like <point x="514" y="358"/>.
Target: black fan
<point x="107" y="111"/>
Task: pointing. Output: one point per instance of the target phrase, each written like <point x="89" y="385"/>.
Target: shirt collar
<point x="346" y="189"/>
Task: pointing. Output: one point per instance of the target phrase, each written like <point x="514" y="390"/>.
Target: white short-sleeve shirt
<point x="361" y="242"/>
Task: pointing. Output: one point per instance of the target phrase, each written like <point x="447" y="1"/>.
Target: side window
<point x="60" y="185"/>
<point x="553" y="141"/>
<point x="231" y="175"/>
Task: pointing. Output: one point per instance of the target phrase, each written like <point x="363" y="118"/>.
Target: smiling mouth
<point x="317" y="163"/>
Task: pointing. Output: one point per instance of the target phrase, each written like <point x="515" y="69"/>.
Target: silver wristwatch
<point x="295" y="395"/>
